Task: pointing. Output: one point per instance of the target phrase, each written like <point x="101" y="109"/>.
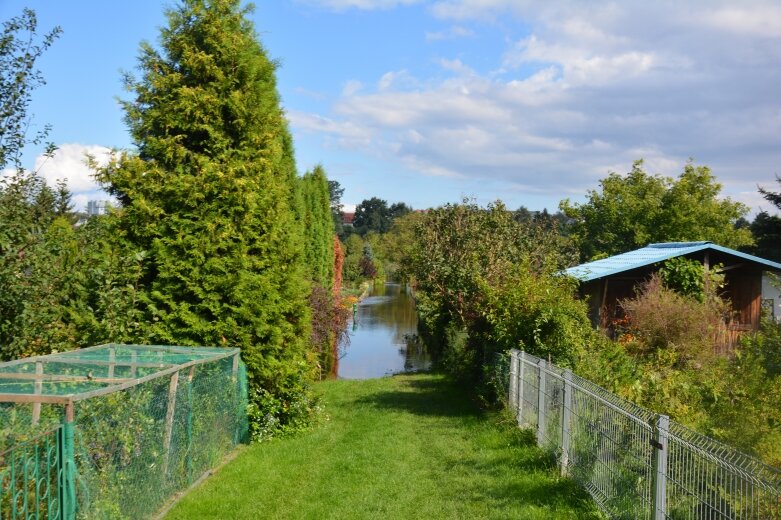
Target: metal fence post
<point x="659" y="442"/>
<point x="522" y="363"/>
<point x="541" y="402"/>
<point x="565" y="421"/>
<point x="513" y="397"/>
<point x="66" y="466"/>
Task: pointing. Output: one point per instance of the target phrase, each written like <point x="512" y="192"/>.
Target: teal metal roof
<point x="652" y="254"/>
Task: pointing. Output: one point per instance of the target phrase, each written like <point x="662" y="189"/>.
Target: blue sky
<point x="429" y="101"/>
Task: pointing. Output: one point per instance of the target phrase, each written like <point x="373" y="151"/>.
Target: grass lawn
<point x="411" y="446"/>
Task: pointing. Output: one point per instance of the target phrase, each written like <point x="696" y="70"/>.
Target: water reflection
<point x="383" y="336"/>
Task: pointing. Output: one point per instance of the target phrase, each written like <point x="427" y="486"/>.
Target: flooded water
<point x="383" y="336"/>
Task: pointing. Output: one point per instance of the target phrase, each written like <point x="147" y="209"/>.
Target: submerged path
<point x="412" y="446"/>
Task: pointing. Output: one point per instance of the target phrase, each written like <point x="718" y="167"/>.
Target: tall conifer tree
<point x="318" y="228"/>
<point x="211" y="194"/>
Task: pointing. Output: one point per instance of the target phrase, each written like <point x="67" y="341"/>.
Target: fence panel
<point x="30" y="473"/>
<point x="114" y="431"/>
<point x="529" y="390"/>
<point x="634" y="463"/>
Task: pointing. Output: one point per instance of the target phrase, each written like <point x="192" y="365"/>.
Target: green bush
<point x="487" y="283"/>
<point x="745" y="411"/>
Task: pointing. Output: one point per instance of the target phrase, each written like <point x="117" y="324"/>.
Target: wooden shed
<point x="608" y="281"/>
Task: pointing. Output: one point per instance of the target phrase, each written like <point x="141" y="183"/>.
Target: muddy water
<point x="382" y="337"/>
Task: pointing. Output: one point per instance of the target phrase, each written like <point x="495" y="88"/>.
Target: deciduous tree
<point x="372" y="215"/>
<point x="630" y="211"/>
<point x="20" y="48"/>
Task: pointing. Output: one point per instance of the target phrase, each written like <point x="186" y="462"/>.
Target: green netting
<point x="147" y="422"/>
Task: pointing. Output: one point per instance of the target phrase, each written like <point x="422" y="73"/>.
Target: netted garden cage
<point x="114" y="431"/>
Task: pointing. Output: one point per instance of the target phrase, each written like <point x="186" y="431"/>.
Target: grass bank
<point x="402" y="447"/>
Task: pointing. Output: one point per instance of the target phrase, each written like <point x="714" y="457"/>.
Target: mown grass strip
<point x="412" y="446"/>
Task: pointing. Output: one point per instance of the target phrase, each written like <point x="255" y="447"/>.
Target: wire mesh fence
<point x="114" y="431"/>
<point x="634" y="463"/>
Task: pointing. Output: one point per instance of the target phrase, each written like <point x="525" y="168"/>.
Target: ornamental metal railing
<point x="32" y="475"/>
<point x="636" y="464"/>
<point x="114" y="431"/>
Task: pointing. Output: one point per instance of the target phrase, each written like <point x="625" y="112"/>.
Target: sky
<point x="427" y="102"/>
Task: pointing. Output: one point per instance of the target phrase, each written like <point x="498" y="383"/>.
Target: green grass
<point x="411" y="446"/>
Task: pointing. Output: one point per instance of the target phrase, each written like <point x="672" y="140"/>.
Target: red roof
<point x="347" y="218"/>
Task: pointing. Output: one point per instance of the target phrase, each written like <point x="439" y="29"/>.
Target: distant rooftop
<point x="652" y="254"/>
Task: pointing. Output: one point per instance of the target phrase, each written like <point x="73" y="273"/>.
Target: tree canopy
<point x="374" y="214"/>
<point x="630" y="211"/>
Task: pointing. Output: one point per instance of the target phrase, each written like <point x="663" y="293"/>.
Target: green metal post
<point x="242" y="428"/>
<point x="237" y="389"/>
<point x="67" y="466"/>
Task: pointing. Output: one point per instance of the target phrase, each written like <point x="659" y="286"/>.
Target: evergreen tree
<point x="766" y="229"/>
<point x="335" y="193"/>
<point x="210" y="196"/>
<point x="318" y="228"/>
<point x="772" y="197"/>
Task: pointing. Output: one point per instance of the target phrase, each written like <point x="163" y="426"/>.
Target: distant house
<point x="747" y="285"/>
<point x="348" y="218"/>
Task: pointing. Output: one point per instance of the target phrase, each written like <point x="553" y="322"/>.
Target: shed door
<point x="745" y="292"/>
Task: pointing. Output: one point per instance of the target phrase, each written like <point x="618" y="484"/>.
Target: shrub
<point x="660" y="318"/>
<point x="329" y="326"/>
<point x="486" y="284"/>
<point x="745" y="410"/>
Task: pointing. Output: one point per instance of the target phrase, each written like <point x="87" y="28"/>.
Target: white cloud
<point x="348" y="133"/>
<point x="351" y="87"/>
<point x="473" y="9"/>
<point x="455" y="31"/>
<point x="456" y="66"/>
<point x="753" y="22"/>
<point x="69" y="163"/>
<point x="397" y="79"/>
<point x="367" y="5"/>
